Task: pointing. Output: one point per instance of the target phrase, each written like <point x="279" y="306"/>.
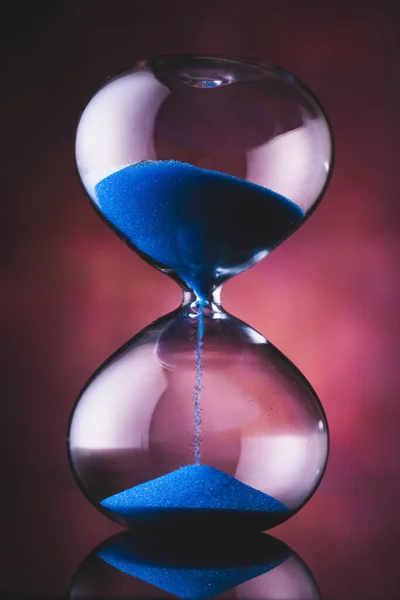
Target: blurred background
<point x="72" y="293"/>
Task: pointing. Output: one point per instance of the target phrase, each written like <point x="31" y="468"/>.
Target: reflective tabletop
<point x="341" y="545"/>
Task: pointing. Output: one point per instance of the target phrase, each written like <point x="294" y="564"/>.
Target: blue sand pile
<point x="191" y="570"/>
<point x="197" y="496"/>
<point x="195" y="221"/>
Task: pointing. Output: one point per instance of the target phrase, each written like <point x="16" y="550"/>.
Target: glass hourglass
<point x="202" y="165"/>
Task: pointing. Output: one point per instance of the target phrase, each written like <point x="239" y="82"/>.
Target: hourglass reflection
<point x="202" y="166"/>
<point x="132" y="566"/>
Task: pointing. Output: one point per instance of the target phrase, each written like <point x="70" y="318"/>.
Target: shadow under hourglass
<point x="251" y="567"/>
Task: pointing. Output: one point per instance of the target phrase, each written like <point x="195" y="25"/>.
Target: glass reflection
<point x="250" y="567"/>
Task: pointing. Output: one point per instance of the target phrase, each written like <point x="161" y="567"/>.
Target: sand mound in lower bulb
<point x="196" y="497"/>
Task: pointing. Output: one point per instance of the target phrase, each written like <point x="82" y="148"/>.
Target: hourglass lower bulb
<point x="203" y="166"/>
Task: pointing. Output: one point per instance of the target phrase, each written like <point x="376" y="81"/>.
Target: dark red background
<point x="72" y="292"/>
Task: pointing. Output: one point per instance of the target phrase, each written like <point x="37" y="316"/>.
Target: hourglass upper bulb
<point x="203" y="165"/>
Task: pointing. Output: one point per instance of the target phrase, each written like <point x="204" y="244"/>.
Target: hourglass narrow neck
<point x="211" y="303"/>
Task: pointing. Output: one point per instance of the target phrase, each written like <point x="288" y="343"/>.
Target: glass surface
<point x="203" y="165"/>
<point x="257" y="567"/>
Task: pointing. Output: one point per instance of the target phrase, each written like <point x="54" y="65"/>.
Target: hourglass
<point x="256" y="566"/>
<point x="202" y="165"/>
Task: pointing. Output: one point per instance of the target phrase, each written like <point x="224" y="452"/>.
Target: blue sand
<point x="199" y="384"/>
<point x="201" y="224"/>
<point x="194" y="569"/>
<point x="195" y="488"/>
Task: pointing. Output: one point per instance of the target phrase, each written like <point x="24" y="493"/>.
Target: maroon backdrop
<point x="72" y="293"/>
